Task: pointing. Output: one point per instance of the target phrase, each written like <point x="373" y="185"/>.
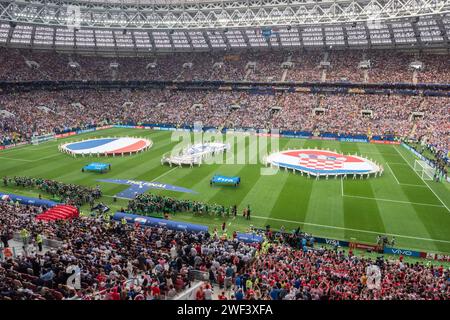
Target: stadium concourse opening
<point x="334" y="185"/>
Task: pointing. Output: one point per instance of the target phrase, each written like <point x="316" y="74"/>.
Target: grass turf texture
<point x="399" y="203"/>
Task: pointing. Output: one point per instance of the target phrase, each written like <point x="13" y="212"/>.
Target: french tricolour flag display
<point x="107" y="146"/>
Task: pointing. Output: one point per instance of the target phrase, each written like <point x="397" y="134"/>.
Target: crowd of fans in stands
<point x="37" y="113"/>
<point x="71" y="194"/>
<point x="117" y="261"/>
<point x="385" y="66"/>
<point x="130" y="262"/>
<point x="26" y="114"/>
<point x="121" y="262"/>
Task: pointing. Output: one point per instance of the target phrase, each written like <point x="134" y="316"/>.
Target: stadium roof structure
<point x="204" y="25"/>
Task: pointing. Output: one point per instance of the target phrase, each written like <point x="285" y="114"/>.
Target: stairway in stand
<point x="59" y="212"/>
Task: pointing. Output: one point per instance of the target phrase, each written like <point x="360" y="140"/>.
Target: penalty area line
<point x="398" y="163"/>
<point x="398" y="182"/>
<point x="15" y="159"/>
<point x="350" y="229"/>
<point x="396" y="149"/>
<point x="396" y="201"/>
<point x="414" y="185"/>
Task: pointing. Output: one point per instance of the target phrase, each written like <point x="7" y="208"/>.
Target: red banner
<point x="65" y="135"/>
<point x="9" y="146"/>
<point x="364" y="246"/>
<point x="384" y="142"/>
<point x="2" y="147"/>
<point x="104" y="127"/>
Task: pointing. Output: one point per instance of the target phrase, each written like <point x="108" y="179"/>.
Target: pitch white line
<point x="165" y="173"/>
<point x="396" y="201"/>
<point x="373" y="152"/>
<point x="396" y="149"/>
<point x="404" y="184"/>
<point x="14" y="159"/>
<point x="48" y="157"/>
<point x="398" y="182"/>
<point x="342" y="186"/>
<point x="27" y="160"/>
<point x="414" y="185"/>
<point x="398" y="163"/>
<point x="350" y="229"/>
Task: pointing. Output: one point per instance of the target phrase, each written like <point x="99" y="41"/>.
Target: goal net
<point x="44" y="138"/>
<point x="424" y="170"/>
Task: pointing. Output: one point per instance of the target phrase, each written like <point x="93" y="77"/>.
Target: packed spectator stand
<point x="128" y="262"/>
<point x="38" y="113"/>
<point x="25" y="114"/>
<point x="113" y="256"/>
<point x="385" y="66"/>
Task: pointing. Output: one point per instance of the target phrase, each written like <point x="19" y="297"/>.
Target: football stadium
<point x="224" y="150"/>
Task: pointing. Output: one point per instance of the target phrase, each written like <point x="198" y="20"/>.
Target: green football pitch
<point x="399" y="203"/>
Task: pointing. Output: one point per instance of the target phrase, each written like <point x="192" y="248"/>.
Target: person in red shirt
<point x="200" y="295"/>
<point x="115" y="294"/>
<point x="101" y="277"/>
<point x="222" y="296"/>
<point x="155" y="290"/>
<point x="220" y="279"/>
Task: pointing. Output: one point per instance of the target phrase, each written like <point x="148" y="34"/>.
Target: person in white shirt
<point x="208" y="292"/>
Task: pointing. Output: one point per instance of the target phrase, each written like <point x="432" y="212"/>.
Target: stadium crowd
<point x="118" y="262"/>
<point x="129" y="262"/>
<point x="418" y="117"/>
<point x="385" y="66"/>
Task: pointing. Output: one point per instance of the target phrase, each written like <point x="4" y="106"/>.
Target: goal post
<point x="35" y="140"/>
<point x="424" y="170"/>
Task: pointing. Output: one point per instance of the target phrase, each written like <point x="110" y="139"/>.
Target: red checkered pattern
<point x="321" y="164"/>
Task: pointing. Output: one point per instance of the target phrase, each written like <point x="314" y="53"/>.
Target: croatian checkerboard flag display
<point x="322" y="162"/>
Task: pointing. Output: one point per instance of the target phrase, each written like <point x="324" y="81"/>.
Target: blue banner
<point x="97" y="166"/>
<point x="28" y="200"/>
<point x="139" y="187"/>
<point x="249" y="238"/>
<point x="403" y="252"/>
<point x="225" y="180"/>
<point x="333" y="242"/>
<point x="86" y="130"/>
<point x="353" y="140"/>
<point x="155" y="222"/>
<point x="124" y="126"/>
